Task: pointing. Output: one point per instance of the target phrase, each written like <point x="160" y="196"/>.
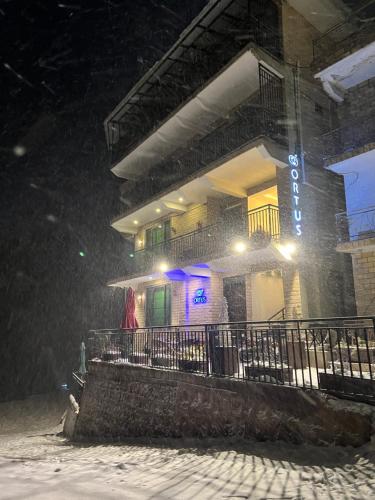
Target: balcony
<point x="345" y="38"/>
<point x="356" y="226"/>
<point x="222" y="30"/>
<point x="260" y="226"/>
<point x="347" y="140"/>
<point x="252" y="120"/>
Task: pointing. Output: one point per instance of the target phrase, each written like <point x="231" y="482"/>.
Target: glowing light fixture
<point x="180" y="199"/>
<point x="287" y="250"/>
<point x="135" y="222"/>
<point x="82" y="254"/>
<point x="163" y="267"/>
<point x="131" y="255"/>
<point x="239" y="246"/>
<point x="158" y="210"/>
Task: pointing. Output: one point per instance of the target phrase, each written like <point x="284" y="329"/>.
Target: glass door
<point x="158" y="306"/>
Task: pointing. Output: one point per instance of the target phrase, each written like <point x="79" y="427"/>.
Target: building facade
<point x="345" y="58"/>
<point x="232" y="213"/>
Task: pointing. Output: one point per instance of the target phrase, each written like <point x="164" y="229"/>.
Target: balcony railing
<point x="200" y="53"/>
<point x="332" y="354"/>
<point x="356" y="226"/>
<point x="347" y="138"/>
<point x="346" y="37"/>
<point x="260" y="226"/>
<point x="261" y="115"/>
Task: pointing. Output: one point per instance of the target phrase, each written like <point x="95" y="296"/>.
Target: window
<point x="158" y="306"/>
<point x="158" y="234"/>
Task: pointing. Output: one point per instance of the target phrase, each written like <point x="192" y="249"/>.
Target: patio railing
<point x="336" y="354"/>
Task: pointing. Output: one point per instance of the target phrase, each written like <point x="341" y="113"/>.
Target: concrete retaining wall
<point x="127" y="401"/>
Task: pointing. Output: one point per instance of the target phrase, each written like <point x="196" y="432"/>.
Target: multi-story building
<point x="345" y="59"/>
<point x="225" y="194"/>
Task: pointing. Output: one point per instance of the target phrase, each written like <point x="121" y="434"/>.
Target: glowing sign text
<point x="199" y="297"/>
<point x="295" y="185"/>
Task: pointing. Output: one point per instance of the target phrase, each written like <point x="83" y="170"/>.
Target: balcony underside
<point x="200" y="115"/>
<point x="234" y="177"/>
<point x="348" y="72"/>
<point x="253" y="260"/>
<point x="357" y="246"/>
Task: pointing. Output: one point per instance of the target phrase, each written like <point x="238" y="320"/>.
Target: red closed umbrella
<point x="129" y="320"/>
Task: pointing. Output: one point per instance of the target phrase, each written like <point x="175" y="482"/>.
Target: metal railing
<point x="355" y="226"/>
<point x="200" y="53"/>
<point x="333" y="354"/>
<point x="345" y="37"/>
<point x="347" y="138"/>
<point x="260" y="225"/>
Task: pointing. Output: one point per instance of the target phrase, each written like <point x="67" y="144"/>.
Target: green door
<point x="158" y="234"/>
<point x="158" y="306"/>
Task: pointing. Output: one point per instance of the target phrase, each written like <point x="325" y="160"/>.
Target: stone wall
<point x="127" y="401"/>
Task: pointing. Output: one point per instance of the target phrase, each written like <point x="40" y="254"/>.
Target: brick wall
<point x="364" y="281"/>
<point x="359" y="102"/>
<point x="127" y="401"/>
<point x="191" y="220"/>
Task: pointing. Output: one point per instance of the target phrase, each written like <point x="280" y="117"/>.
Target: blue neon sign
<point x="295" y="188"/>
<point x="199" y="296"/>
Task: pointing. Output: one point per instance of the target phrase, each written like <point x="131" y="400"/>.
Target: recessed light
<point x="180" y="199"/>
<point x="158" y="210"/>
<point x="135" y="222"/>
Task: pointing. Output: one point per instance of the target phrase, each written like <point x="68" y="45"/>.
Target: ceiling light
<point x="163" y="267"/>
<point x="158" y="210"/>
<point x="180" y="199"/>
<point x="135" y="222"/>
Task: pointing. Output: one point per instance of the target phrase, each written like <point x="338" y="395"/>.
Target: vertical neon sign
<point x="295" y="189"/>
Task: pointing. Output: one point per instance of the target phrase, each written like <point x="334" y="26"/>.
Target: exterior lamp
<point x="239" y="246"/>
<point x="163" y="267"/>
<point x="287" y="250"/>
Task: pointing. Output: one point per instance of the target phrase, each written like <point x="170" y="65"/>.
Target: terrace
<point x="331" y="354"/>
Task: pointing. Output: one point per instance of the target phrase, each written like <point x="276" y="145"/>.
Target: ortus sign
<point x="295" y="174"/>
<point x="200" y="296"/>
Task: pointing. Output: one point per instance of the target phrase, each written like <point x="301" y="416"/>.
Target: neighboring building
<point x="226" y="195"/>
<point x="345" y="56"/>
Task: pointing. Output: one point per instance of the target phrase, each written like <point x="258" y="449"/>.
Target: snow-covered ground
<point x="38" y="463"/>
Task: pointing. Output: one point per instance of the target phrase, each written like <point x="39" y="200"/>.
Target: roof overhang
<point x="227" y="90"/>
<point x="348" y="72"/>
<point x="233" y="177"/>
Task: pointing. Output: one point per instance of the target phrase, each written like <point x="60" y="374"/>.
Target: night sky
<point x="63" y="67"/>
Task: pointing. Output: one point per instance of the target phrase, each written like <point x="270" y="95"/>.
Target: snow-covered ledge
<point x="348" y="72"/>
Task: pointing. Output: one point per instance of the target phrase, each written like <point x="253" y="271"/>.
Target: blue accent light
<point x="199" y="296"/>
<point x="176" y="275"/>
